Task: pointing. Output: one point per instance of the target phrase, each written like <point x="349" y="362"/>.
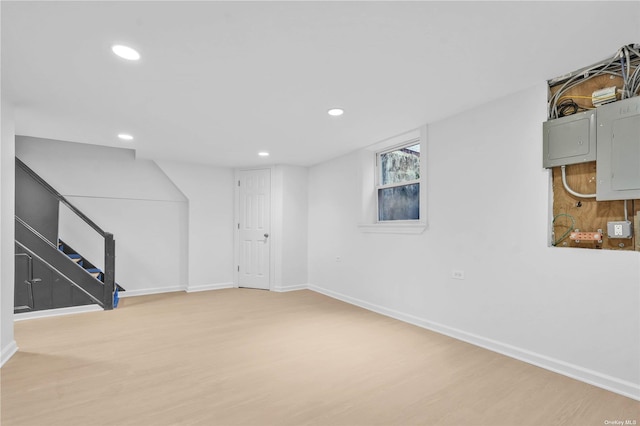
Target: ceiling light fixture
<point x="335" y="112"/>
<point x="125" y="137"/>
<point x="263" y="154"/>
<point x="125" y="52"/>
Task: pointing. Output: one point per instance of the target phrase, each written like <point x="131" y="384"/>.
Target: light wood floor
<point x="252" y="357"/>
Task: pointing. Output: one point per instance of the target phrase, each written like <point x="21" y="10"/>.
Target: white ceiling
<point x="220" y="81"/>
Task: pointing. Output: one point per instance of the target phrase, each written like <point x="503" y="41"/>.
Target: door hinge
<point x="238" y="183"/>
<point x="238" y="268"/>
<point x="238" y="226"/>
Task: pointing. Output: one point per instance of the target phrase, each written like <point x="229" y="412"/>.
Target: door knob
<point x="266" y="235"/>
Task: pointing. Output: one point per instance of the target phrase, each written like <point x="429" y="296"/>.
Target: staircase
<point x="86" y="265"/>
<point x="49" y="273"/>
<point x="80" y="261"/>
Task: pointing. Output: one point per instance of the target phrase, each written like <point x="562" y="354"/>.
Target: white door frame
<point x="236" y="221"/>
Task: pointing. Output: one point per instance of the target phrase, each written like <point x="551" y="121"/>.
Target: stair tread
<point x="96" y="273"/>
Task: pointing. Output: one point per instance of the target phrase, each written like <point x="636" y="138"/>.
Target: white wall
<point x="7" y="208"/>
<point x="289" y="227"/>
<point x="131" y="198"/>
<point x="570" y="310"/>
<point x="209" y="191"/>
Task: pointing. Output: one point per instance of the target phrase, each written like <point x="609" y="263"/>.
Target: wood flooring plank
<point x="251" y="357"/>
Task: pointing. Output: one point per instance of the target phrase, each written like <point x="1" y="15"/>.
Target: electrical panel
<point x="596" y="197"/>
<point x="569" y="140"/>
<point x="618" y="150"/>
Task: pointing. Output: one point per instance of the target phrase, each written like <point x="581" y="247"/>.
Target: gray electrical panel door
<point x="569" y="140"/>
<point x="618" y="165"/>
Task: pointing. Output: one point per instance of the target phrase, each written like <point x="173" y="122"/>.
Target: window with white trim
<point x="398" y="182"/>
<point x="390" y="186"/>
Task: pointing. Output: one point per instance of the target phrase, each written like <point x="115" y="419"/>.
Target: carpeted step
<point x="95" y="272"/>
<point x="76" y="258"/>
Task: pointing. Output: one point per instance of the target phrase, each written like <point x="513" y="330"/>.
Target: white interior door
<point x="253" y="228"/>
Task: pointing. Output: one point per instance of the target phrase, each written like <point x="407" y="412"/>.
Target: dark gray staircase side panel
<point x="22" y="294"/>
<point x="36" y="206"/>
<point x="58" y="260"/>
<point x="78" y="297"/>
<point x="50" y="289"/>
<point x="42" y="291"/>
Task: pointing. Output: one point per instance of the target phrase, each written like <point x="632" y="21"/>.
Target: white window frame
<point x="380" y="185"/>
<point x="370" y="177"/>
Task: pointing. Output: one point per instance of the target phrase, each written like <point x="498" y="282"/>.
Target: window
<point x="392" y="184"/>
<point x="398" y="183"/>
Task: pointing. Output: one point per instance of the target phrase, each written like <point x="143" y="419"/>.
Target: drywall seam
<point x="125" y="198"/>
<point x="166" y="174"/>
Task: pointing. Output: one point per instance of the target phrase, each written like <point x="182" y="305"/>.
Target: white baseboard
<point x="613" y="384"/>
<point x="56" y="312"/>
<point x="285" y="288"/>
<point x="147" y="291"/>
<point x="7" y="352"/>
<point x="207" y="287"/>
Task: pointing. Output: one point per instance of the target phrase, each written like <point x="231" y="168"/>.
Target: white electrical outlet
<point x="620" y="229"/>
<point x="457" y="274"/>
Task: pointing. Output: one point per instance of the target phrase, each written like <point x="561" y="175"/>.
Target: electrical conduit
<point x="571" y="191"/>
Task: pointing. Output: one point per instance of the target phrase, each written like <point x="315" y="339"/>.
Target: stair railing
<point x="109" y="242"/>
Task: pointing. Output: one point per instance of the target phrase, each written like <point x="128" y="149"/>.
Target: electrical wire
<point x="567" y="87"/>
<point x="569" y="107"/>
<point x="569" y="190"/>
<point x="571" y="82"/>
<point x="634" y="81"/>
<point x="627" y="75"/>
<point x="575" y="96"/>
<point x="624" y="76"/>
<point x="631" y="47"/>
<point x="566" y="234"/>
<point x="619" y="65"/>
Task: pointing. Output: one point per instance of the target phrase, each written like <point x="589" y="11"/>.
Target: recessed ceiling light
<point x="263" y="154"/>
<point x="125" y="52"/>
<point x="335" y="112"/>
<point x="125" y="137"/>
